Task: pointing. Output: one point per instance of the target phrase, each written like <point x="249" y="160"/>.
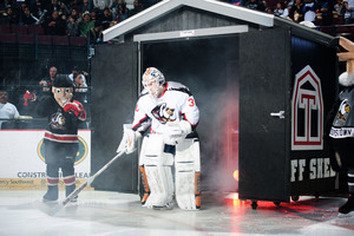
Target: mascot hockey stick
<point x="90" y="180"/>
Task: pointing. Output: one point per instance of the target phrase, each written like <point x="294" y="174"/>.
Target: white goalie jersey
<point x="175" y="104"/>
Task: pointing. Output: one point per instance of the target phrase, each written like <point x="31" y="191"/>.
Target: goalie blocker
<point x="156" y="161"/>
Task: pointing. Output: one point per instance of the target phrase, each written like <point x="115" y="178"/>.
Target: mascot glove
<point x="346" y="79"/>
<point x="128" y="144"/>
<point x="72" y="107"/>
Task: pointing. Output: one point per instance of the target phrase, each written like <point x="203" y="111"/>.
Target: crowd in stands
<point x="88" y="18"/>
<point x="319" y="12"/>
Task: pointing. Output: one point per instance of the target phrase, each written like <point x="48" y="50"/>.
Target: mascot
<point x="60" y="138"/>
<point x="341" y="123"/>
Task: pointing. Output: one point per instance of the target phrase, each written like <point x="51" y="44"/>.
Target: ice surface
<point x="111" y="213"/>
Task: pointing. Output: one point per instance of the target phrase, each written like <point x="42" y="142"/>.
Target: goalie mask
<point x="62" y="90"/>
<point x="153" y="81"/>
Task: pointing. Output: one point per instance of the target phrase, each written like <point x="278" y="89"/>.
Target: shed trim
<point x="193" y="33"/>
<point x="162" y="8"/>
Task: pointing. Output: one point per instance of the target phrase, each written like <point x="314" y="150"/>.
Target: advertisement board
<point x="22" y="159"/>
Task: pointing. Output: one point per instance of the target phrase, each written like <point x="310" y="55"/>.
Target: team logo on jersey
<point x="164" y="114"/>
<point x="307" y="112"/>
<point x="80" y="155"/>
<point x="57" y="121"/>
<point x="342" y="114"/>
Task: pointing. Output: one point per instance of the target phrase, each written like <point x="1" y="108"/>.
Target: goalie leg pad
<point x="161" y="185"/>
<point x="187" y="164"/>
<point x="158" y="171"/>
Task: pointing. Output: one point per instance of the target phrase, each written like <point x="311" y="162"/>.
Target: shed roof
<point x="164" y="7"/>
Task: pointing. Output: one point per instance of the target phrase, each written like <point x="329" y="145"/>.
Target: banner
<point x="22" y="160"/>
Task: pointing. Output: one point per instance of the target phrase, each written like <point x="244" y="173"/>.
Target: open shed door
<point x="114" y="94"/>
<point x="264" y="115"/>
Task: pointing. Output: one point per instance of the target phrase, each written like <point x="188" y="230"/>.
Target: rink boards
<point x="23" y="162"/>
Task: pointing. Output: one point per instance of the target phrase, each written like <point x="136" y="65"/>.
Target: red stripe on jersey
<point x="61" y="138"/>
<point x="140" y="122"/>
<point x="52" y="181"/>
<point x="69" y="180"/>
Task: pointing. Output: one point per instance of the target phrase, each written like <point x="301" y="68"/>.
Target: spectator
<point x="96" y="33"/>
<point x="80" y="88"/>
<point x="309" y="10"/>
<point x="76" y="4"/>
<point x="75" y="14"/>
<point x="46" y="83"/>
<point x="63" y="9"/>
<point x="28" y="103"/>
<point x="337" y="9"/>
<point x="72" y="27"/>
<point x="80" y="83"/>
<point x="86" y="24"/>
<point x="53" y="6"/>
<point x="94" y="14"/>
<point x="10" y="17"/>
<point x="55" y="25"/>
<point x="279" y="9"/>
<point x="106" y="18"/>
<point x="325" y="12"/>
<point x="122" y="12"/>
<point x="349" y="11"/>
<point x="137" y="7"/>
<point x="27" y="17"/>
<point x="296" y="13"/>
<point x="37" y="8"/>
<point x="85" y="6"/>
<point x="75" y="72"/>
<point x="115" y="6"/>
<point x="7" y="110"/>
<point x="102" y="4"/>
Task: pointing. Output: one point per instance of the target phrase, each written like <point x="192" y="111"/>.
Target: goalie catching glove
<point x="128" y="144"/>
<point x="174" y="131"/>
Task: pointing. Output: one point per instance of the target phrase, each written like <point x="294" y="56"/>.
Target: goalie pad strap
<point x="145" y="184"/>
<point x="197" y="192"/>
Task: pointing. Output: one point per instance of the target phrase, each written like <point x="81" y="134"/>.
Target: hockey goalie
<point x="166" y="116"/>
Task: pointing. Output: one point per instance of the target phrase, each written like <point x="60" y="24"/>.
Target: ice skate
<point x="347" y="207"/>
<point x="51" y="195"/>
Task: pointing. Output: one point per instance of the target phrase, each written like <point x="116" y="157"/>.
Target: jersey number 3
<point x="191" y="102"/>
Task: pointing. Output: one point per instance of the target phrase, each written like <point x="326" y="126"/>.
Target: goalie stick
<point x="89" y="180"/>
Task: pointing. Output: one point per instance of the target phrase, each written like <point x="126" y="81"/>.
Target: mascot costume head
<point x="63" y="90"/>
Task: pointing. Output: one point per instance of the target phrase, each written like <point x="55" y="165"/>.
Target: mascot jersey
<point x="62" y="126"/>
<point x="176" y="103"/>
<point x="343" y="123"/>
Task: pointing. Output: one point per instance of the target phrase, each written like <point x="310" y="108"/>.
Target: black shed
<point x="264" y="86"/>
